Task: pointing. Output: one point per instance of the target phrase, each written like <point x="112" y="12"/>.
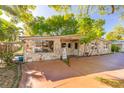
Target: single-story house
<point x="37" y="48"/>
<point x="119" y="43"/>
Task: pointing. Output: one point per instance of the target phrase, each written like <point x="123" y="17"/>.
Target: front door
<point x="71" y="48"/>
<point x="76" y="47"/>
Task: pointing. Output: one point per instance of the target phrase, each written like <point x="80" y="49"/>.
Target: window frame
<point x="42" y="47"/>
<point x="76" y="45"/>
<point x="69" y="45"/>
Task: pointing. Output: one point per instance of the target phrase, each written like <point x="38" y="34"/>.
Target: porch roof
<point x="65" y="37"/>
<point x="62" y="38"/>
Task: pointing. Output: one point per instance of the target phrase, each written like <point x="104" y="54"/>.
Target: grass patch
<point x="112" y="83"/>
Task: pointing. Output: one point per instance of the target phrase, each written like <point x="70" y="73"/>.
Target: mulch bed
<point x="8" y="76"/>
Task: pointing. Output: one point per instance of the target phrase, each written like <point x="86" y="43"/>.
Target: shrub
<point x="7" y="57"/>
<point x="7" y="51"/>
<point x="115" y="48"/>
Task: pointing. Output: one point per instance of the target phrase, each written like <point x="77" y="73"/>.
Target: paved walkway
<point x="81" y="74"/>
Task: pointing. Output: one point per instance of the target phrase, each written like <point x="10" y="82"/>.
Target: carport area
<point x="81" y="74"/>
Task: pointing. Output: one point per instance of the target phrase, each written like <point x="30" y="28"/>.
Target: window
<point x="38" y="47"/>
<point x="69" y="45"/>
<point x="44" y="46"/>
<point x="76" y="45"/>
<point x="63" y="45"/>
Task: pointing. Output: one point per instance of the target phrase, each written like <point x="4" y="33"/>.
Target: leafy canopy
<point x="8" y="31"/>
<point x="87" y="10"/>
<point x="54" y="25"/>
<point x="116" y="34"/>
<point x="18" y="13"/>
<point x="90" y="29"/>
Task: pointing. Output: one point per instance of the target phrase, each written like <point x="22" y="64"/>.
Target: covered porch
<point x="71" y="45"/>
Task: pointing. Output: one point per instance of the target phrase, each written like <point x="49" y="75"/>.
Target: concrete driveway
<point x="81" y="74"/>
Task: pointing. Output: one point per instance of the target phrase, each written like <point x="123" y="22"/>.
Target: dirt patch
<point x="8" y="76"/>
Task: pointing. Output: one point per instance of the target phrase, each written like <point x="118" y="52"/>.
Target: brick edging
<point x="17" y="77"/>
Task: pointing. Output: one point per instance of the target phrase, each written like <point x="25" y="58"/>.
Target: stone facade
<point x="73" y="47"/>
<point x="96" y="47"/>
<point x="30" y="54"/>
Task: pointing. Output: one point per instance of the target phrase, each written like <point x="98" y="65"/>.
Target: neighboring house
<point x="119" y="43"/>
<point x="39" y="48"/>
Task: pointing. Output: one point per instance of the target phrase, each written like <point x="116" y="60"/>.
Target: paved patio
<point x="81" y="74"/>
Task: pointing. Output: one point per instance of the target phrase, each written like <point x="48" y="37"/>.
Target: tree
<point x="62" y="25"/>
<point x="116" y="34"/>
<point x="18" y="12"/>
<point x="87" y="10"/>
<point x="38" y="26"/>
<point x="90" y="29"/>
<point x="54" y="25"/>
<point x="61" y="8"/>
<point x="8" y="31"/>
<point x="71" y="24"/>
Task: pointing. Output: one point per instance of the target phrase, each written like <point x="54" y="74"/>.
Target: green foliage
<point x="116" y="34"/>
<point x="60" y="8"/>
<point x="115" y="48"/>
<point x="8" y="31"/>
<point x="7" y="52"/>
<point x="1" y="12"/>
<point x="18" y="12"/>
<point x="90" y="29"/>
<point x="87" y="10"/>
<point x="38" y="26"/>
<point x="54" y="25"/>
<point x="6" y="57"/>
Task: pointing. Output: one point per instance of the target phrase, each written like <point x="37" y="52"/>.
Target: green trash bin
<point x="20" y="58"/>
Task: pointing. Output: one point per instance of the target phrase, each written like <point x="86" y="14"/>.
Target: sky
<point x="110" y="20"/>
